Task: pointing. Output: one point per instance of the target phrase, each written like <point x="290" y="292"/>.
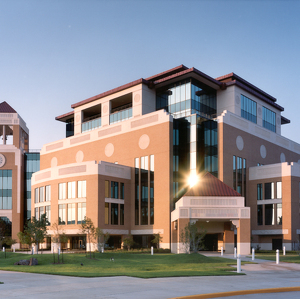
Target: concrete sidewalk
<point x="264" y="275"/>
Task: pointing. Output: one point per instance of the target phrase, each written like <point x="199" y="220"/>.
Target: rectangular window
<point x="269" y="215"/>
<point x="36" y="213"/>
<point x="259" y="192"/>
<point x="41" y="194"/>
<point x="279" y="189"/>
<point x="259" y="214"/>
<point x="48" y="193"/>
<point x="239" y="175"/>
<point x="121" y="214"/>
<point x="71" y="213"/>
<point x="137" y="196"/>
<point x="62" y="191"/>
<point x="107" y="189"/>
<point x="81" y="212"/>
<point x="106" y="213"/>
<point x="36" y="195"/>
<point x="81" y="185"/>
<point x="151" y="197"/>
<point x="41" y="212"/>
<point x="71" y="189"/>
<point x="269" y="119"/>
<point x="122" y="191"/>
<point x="248" y="109"/>
<point x="144" y="197"/>
<point x="48" y="215"/>
<point x="114" y="190"/>
<point x="269" y="190"/>
<point x="114" y="213"/>
<point x="279" y="213"/>
<point x="62" y="214"/>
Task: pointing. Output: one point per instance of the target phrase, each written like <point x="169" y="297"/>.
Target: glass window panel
<point x="279" y="214"/>
<point x="41" y="194"/>
<point x="106" y="213"/>
<point x="269" y="214"/>
<point x="279" y="189"/>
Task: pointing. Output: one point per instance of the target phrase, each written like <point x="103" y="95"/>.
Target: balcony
<point x="91" y="124"/>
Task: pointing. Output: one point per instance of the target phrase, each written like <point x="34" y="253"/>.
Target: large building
<point x="129" y="152"/>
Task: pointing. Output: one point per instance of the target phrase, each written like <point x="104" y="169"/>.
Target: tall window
<point x="41" y="194"/>
<point x="36" y="213"/>
<point x="259" y="192"/>
<point x="48" y="215"/>
<point x="5" y="189"/>
<point x="122" y="191"/>
<point x="62" y="191"/>
<point x="269" y="214"/>
<point x="114" y="190"/>
<point x="106" y="213"/>
<point x="81" y="189"/>
<point x="121" y="214"/>
<point x="114" y="213"/>
<point x="81" y="212"/>
<point x="41" y="212"/>
<point x="36" y="195"/>
<point x="48" y="193"/>
<point x="279" y="189"/>
<point x="71" y="213"/>
<point x="62" y="214"/>
<point x="259" y="215"/>
<point x="107" y="189"/>
<point x="269" y="190"/>
<point x="248" y="109"/>
<point x="71" y="189"/>
<point x="279" y="213"/>
<point x="269" y="119"/>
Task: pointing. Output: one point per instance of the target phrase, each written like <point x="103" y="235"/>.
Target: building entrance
<point x="210" y="242"/>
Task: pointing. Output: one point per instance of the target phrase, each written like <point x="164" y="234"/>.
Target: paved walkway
<point x="264" y="275"/>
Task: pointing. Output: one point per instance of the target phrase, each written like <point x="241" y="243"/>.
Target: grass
<point x="290" y="257"/>
<point x="124" y="264"/>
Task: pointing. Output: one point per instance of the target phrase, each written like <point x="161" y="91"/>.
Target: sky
<point x="54" y="53"/>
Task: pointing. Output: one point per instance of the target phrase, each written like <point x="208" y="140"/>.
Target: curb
<point x="242" y="292"/>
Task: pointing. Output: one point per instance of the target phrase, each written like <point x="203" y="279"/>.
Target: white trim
<point x="268" y="201"/>
<point x="270" y="232"/>
<point x="147" y="231"/>
<point x="114" y="200"/>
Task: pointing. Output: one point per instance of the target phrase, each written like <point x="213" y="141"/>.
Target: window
<point x="248" y="109"/>
<point x="259" y="192"/>
<point x="269" y="119"/>
<point x="279" y="189"/>
<point x="269" y="190"/>
<point x="41" y="194"/>
<point x="107" y="189"/>
<point x="48" y="215"/>
<point x="106" y="213"/>
<point x="259" y="214"/>
<point x="36" y="213"/>
<point x="5" y="189"/>
<point x="114" y="213"/>
<point x="36" y="195"/>
<point x="279" y="213"/>
<point x="81" y="212"/>
<point x="71" y="189"/>
<point x="114" y="190"/>
<point x="81" y="189"/>
<point x="122" y="194"/>
<point x="269" y="214"/>
<point x="48" y="193"/>
<point x="121" y="214"/>
<point x="62" y="214"/>
<point x="41" y="212"/>
<point x="62" y="191"/>
<point x="71" y="213"/>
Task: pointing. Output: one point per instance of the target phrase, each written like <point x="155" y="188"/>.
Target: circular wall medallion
<point x="109" y="149"/>
<point x="282" y="157"/>
<point x="237" y="99"/>
<point x="137" y="98"/>
<point x="239" y="142"/>
<point x="144" y="141"/>
<point x="54" y="162"/>
<point x="263" y="151"/>
<point x="79" y="156"/>
<point x="2" y="160"/>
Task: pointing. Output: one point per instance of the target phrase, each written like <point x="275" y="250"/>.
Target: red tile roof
<point x="209" y="185"/>
<point x="5" y="108"/>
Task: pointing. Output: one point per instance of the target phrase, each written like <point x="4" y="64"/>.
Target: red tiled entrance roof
<point x="209" y="185"/>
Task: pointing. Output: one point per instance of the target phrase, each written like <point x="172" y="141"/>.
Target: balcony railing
<point x="120" y="115"/>
<point x="91" y="125"/>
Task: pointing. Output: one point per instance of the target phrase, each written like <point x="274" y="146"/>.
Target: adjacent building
<point x="130" y="151"/>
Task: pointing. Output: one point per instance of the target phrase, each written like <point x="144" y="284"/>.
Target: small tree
<point x="191" y="238"/>
<point x="59" y="235"/>
<point x="25" y="238"/>
<point x="128" y="242"/>
<point x="157" y="239"/>
<point x="101" y="238"/>
<point x="88" y="228"/>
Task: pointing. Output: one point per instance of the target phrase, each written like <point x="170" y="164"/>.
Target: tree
<point x="157" y="239"/>
<point x="88" y="229"/>
<point x="59" y="236"/>
<point x="5" y="231"/>
<point x="34" y="232"/>
<point x="191" y="238"/>
<point x="128" y="242"/>
<point x="101" y="238"/>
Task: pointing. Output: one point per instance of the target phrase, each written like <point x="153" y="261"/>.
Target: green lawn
<point x="124" y="264"/>
<point x="290" y="257"/>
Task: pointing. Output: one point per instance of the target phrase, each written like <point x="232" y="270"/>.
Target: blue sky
<point x="59" y="52"/>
